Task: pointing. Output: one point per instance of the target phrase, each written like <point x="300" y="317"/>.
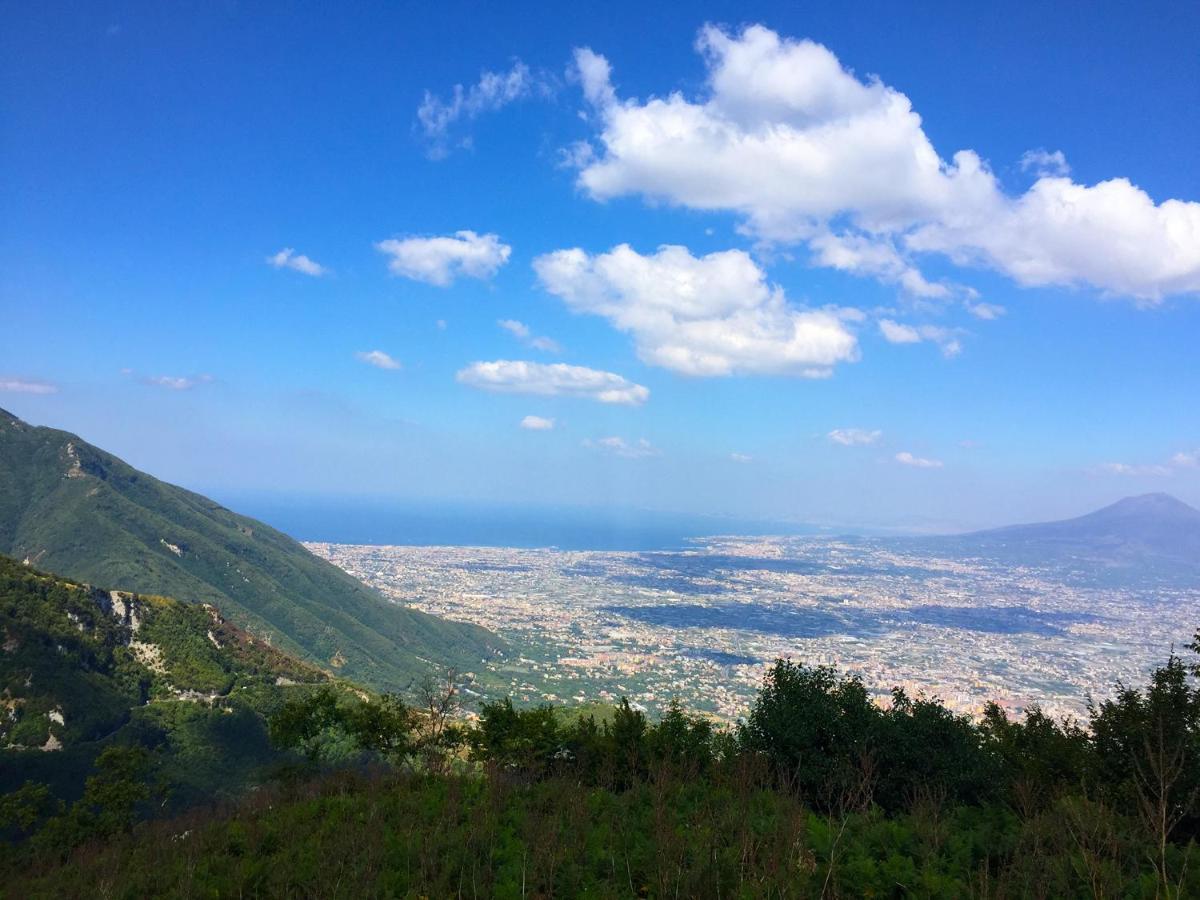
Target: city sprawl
<point x="700" y="625"/>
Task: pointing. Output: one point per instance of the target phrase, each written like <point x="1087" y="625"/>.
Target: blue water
<point x="373" y="521"/>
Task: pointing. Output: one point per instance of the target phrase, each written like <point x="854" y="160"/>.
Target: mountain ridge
<point x="1155" y="535"/>
<point x="1149" y="516"/>
<point x="72" y="508"/>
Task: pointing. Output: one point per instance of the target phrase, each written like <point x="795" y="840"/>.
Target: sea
<point x="377" y="521"/>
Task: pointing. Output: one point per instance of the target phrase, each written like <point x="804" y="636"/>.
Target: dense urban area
<point x="701" y="625"/>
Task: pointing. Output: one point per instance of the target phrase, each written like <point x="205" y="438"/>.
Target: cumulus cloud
<point x="854" y="437"/>
<point x="709" y="315"/>
<point x="986" y="311"/>
<point x="21" y="386"/>
<point x="521" y="332"/>
<point x="741" y="457"/>
<point x="895" y="333"/>
<point x="899" y="333"/>
<point x="440" y="260"/>
<point x="874" y="255"/>
<point x="618" y="446"/>
<point x="288" y="258"/>
<point x="517" y="329"/>
<point x="537" y="423"/>
<point x="548" y="380"/>
<point x="437" y="118"/>
<point x="1044" y="163"/>
<point x="378" y="359"/>
<point x="906" y="458"/>
<point x="805" y="151"/>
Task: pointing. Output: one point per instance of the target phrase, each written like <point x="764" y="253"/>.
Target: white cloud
<point x="875" y="256"/>
<point x="558" y="379"/>
<point x="176" y="382"/>
<point x="804" y="151"/>
<point x="854" y="437"/>
<point x="709" y="315"/>
<point x="899" y="333"/>
<point x="1186" y="459"/>
<point x="919" y="462"/>
<point x="741" y="457"/>
<point x="618" y="446"/>
<point x="986" y="311"/>
<point x="537" y="423"/>
<point x="1044" y="163"/>
<point x="516" y="329"/>
<point x="20" y="386"/>
<point x="1117" y="468"/>
<point x="287" y="258"/>
<point x="521" y="332"/>
<point x="493" y="91"/>
<point x="895" y="333"/>
<point x="377" y="358"/>
<point x="439" y="260"/>
<point x="548" y="345"/>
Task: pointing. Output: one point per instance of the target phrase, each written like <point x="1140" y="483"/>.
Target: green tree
<point x="682" y="742"/>
<point x="817" y="729"/>
<point x="526" y="740"/>
<point x="924" y="750"/>
<point x="1038" y="759"/>
<point x="325" y="725"/>
<point x="1147" y="755"/>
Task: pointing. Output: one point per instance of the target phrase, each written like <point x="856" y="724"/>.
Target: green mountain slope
<point x="83" y="668"/>
<point x="71" y="508"/>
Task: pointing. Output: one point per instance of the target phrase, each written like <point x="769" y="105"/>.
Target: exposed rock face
<point x="74" y="467"/>
<point x="121" y="605"/>
<point x="150" y="656"/>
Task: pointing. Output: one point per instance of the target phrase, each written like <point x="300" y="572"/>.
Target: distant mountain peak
<point x="1156" y="503"/>
<point x="1146" y="529"/>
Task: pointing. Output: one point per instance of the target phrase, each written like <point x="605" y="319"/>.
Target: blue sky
<point x="855" y="325"/>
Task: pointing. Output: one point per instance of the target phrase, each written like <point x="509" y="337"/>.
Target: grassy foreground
<point x="486" y="835"/>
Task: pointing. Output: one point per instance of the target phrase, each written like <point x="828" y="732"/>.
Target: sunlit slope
<point x="71" y="508"/>
<point x="84" y="668"/>
<point x="76" y="661"/>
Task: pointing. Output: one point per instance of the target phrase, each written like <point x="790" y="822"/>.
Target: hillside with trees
<point x="85" y="670"/>
<point x="73" y="509"/>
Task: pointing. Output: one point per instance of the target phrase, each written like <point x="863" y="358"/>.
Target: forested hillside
<point x="819" y="792"/>
<point x="71" y="508"/>
<point x="83" y="670"/>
